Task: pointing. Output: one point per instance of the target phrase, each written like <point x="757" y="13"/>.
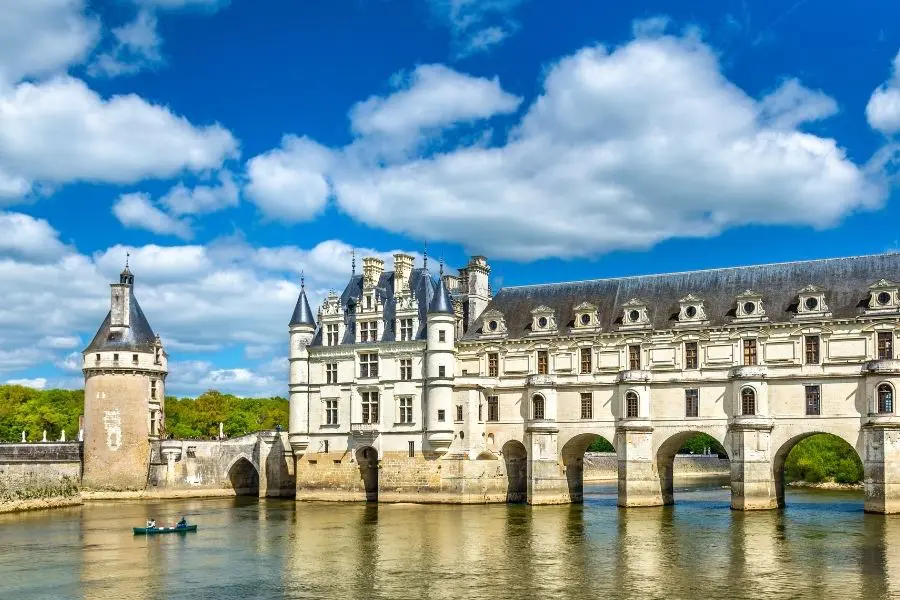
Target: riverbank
<point x="604" y="466"/>
<point x="827" y="485"/>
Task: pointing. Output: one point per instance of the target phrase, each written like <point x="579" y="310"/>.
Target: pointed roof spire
<point x="303" y="315"/>
<point x="353" y="262"/>
<point x="425" y="257"/>
<point x="126" y="276"/>
<point x="441" y="302"/>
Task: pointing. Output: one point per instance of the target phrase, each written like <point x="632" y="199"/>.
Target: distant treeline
<point x="53" y="411"/>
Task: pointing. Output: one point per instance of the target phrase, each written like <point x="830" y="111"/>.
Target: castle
<point x="411" y="387"/>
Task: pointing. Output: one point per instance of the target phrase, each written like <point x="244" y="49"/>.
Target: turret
<point x="125" y="368"/>
<point x="440" y="368"/>
<point x="302" y="329"/>
<point x="479" y="289"/>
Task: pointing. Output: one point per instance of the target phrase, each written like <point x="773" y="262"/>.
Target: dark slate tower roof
<point x="845" y="282"/>
<point x="302" y="313"/>
<point x="138" y="337"/>
<point x="441" y="302"/>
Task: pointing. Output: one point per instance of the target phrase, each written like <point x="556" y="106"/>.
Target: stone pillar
<point x="881" y="464"/>
<point x="171" y="451"/>
<point x="638" y="478"/>
<point x="269" y="481"/>
<point x="752" y="471"/>
<point x="547" y="483"/>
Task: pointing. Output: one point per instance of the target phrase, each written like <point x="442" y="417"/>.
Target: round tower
<point x="302" y="329"/>
<point x="440" y="368"/>
<point x="125" y="370"/>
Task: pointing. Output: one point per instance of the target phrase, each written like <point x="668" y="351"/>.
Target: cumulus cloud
<point x="137" y="211"/>
<point x="883" y="109"/>
<point x="476" y="25"/>
<point x="179" y="4"/>
<point x="625" y="147"/>
<point x="202" y="199"/>
<point x="136" y="46"/>
<point x="38" y="383"/>
<point x="28" y="238"/>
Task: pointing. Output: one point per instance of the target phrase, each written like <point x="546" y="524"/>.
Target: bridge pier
<point x="547" y="483"/>
<point x="638" y="477"/>
<point x="881" y="465"/>
<point x="752" y="470"/>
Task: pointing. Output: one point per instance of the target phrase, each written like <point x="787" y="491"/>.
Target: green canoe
<point x="156" y="530"/>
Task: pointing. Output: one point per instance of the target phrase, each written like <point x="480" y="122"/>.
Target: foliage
<point x="601" y="445"/>
<point x="55" y="410"/>
<point x="821" y="458"/>
<point x="698" y="444"/>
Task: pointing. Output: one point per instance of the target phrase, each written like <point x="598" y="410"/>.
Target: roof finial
<point x="353" y="262"/>
<point x="127" y="258"/>
<point x="302" y="279"/>
<point x="442" y="266"/>
<point x="425" y="257"/>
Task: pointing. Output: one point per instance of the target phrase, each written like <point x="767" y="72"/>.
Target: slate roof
<point x="422" y="285"/>
<point x="845" y="282"/>
<point x="303" y="315"/>
<point x="139" y="337"/>
<point x="441" y="303"/>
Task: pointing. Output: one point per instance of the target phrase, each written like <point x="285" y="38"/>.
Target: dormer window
<point x="884" y="297"/>
<point x="493" y="323"/>
<point x="543" y="320"/>
<point x="811" y="303"/>
<point x="635" y="315"/>
<point x="691" y="311"/>
<point x="586" y="316"/>
<point x="749" y="307"/>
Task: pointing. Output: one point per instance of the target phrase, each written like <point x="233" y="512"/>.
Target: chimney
<point x="373" y="267"/>
<point x="120" y="306"/>
<point x="479" y="289"/>
<point x="403" y="266"/>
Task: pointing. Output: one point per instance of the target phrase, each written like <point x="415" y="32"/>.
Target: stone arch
<point x="367" y="459"/>
<point x="515" y="455"/>
<point x="665" y="459"/>
<point x="780" y="456"/>
<point x="572" y="455"/>
<point x="243" y="476"/>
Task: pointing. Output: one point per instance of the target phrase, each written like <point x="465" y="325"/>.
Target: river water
<point x="822" y="545"/>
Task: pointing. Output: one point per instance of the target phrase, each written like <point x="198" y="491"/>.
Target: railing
<point x="541" y="380"/>
<point x="633" y="375"/>
<point x="884" y="366"/>
<point x="364" y="428"/>
<point x="748" y="372"/>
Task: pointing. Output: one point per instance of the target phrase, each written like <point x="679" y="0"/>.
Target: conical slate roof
<point x="441" y="302"/>
<point x="302" y="313"/>
<point x="138" y="337"/>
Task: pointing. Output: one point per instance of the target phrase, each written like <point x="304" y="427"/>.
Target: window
<point x="885" y="398"/>
<point x="153" y="389"/>
<point x="480" y="412"/>
<point x="587" y="406"/>
<point x="368" y="364"/>
<point x="326" y="447"/>
<point x="459" y="413"/>
<point x="813" y="397"/>
<point x="748" y="401"/>
<point x="749" y="352"/>
<point x="543" y="360"/>
<point x="406" y="410"/>
<point x="493" y="364"/>
<point x="412" y="449"/>
<point x="442" y="335"/>
<point x="442" y="371"/>
<point x="537" y="408"/>
<point x="885" y="345"/>
<point x="134" y="358"/>
<point x="368" y="301"/>
<point x="692" y="403"/>
<point x="331" y="414"/>
<point x="368" y="331"/>
<point x="405" y="369"/>
<point x="331" y="373"/>
<point x="156" y="356"/>
<point x="586" y="360"/>
<point x="634" y="357"/>
<point x="115" y="358"/>
<point x="442" y="416"/>
<point x="690" y="355"/>
<point x="632" y="408"/>
<point x="97" y="357"/>
<point x="493" y="408"/>
<point x="406" y="332"/>
<point x="370" y="407"/>
<point x="331" y="335"/>
<point x="812" y="349"/>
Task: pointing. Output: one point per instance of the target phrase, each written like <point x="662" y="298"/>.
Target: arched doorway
<point x="244" y="478"/>
<point x="704" y="452"/>
<point x="516" y="458"/>
<point x="816" y="458"/>
<point x="573" y="452"/>
<point x="367" y="459"/>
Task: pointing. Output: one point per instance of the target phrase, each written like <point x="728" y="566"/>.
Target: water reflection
<point x="822" y="545"/>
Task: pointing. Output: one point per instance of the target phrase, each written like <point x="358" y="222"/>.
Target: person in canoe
<point x="151" y="523"/>
<point x="181" y="524"/>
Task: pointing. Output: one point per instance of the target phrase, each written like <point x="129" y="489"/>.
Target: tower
<point x="125" y="370"/>
<point x="302" y="329"/>
<point x="440" y="368"/>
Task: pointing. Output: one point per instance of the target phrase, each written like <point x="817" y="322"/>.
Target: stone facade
<point x="41" y="475"/>
<point x="516" y="386"/>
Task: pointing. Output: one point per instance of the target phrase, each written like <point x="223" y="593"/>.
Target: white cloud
<point x="60" y="342"/>
<point x="476" y="25"/>
<point x="71" y="363"/>
<point x="883" y="109"/>
<point x="28" y="238"/>
<point x="41" y="37"/>
<point x="432" y="97"/>
<point x="136" y="46"/>
<point x="178" y="4"/>
<point x="195" y="377"/>
<point x="38" y="383"/>
<point x="137" y="211"/>
<point x="624" y="148"/>
<point x="60" y="131"/>
<point x="201" y="199"/>
<point x="288" y="183"/>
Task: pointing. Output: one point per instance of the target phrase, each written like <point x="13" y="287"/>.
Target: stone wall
<point x="39" y="475"/>
<point x="602" y="466"/>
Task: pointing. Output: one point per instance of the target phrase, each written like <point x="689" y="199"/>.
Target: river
<point x="822" y="545"/>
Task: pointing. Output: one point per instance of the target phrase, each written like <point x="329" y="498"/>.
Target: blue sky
<point x="229" y="145"/>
